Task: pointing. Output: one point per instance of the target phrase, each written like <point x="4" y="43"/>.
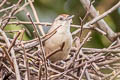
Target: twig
<point x="4" y="9"/>
<point x="110" y="34"/>
<point x="114" y="60"/>
<point x="87" y="75"/>
<point x="8" y="68"/>
<point x="17" y="72"/>
<point x="39" y="73"/>
<point x="83" y="20"/>
<point x="36" y="17"/>
<point x="73" y="60"/>
<point x="11" y="14"/>
<point x="36" y="23"/>
<point x="93" y="50"/>
<point x="49" y="24"/>
<point x="26" y="62"/>
<point x="83" y="71"/>
<point x="113" y="77"/>
<point x="82" y="64"/>
<point x="41" y="45"/>
<point x="8" y="57"/>
<point x="23" y="7"/>
<point x="13" y="43"/>
<point x="3" y="2"/>
<point x="11" y="31"/>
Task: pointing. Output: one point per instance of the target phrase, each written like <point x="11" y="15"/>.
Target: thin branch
<point x="13" y="43"/>
<point x="4" y="9"/>
<point x="94" y="50"/>
<point x="10" y="15"/>
<point x="83" y="42"/>
<point x="17" y="72"/>
<point x="36" y="17"/>
<point x="83" y="71"/>
<point x="8" y="57"/>
<point x="97" y="18"/>
<point x="26" y="62"/>
<point x="3" y="2"/>
<point x="40" y="42"/>
<point x="115" y="75"/>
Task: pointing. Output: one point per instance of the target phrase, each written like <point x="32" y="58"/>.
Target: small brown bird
<point x="62" y="36"/>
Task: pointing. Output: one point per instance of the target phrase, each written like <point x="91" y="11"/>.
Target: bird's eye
<point x="61" y="18"/>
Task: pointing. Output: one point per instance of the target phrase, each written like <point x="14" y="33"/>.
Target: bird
<point x="61" y="39"/>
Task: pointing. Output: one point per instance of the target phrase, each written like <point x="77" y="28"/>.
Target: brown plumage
<point x="62" y="36"/>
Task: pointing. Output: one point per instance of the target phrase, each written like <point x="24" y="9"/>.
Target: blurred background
<point x="47" y="11"/>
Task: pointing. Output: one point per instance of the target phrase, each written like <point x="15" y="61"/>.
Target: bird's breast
<point x="56" y="41"/>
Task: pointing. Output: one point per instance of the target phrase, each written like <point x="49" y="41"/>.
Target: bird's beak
<point x="70" y="17"/>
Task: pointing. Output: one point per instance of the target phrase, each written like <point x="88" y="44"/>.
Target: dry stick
<point x="13" y="42"/>
<point x="26" y="63"/>
<point x="115" y="75"/>
<point x="23" y="7"/>
<point x="36" y="17"/>
<point x="35" y="58"/>
<point x="27" y="46"/>
<point x="85" y="50"/>
<point x="48" y="35"/>
<point x="25" y="57"/>
<point x="91" y="27"/>
<point x="56" y="77"/>
<point x="41" y="23"/>
<point x="115" y="60"/>
<point x="115" y="46"/>
<point x="112" y="75"/>
<point x="86" y="57"/>
<point x="83" y="42"/>
<point x="22" y="34"/>
<point x="93" y="50"/>
<point x="92" y="64"/>
<point x="97" y="18"/>
<point x="46" y="24"/>
<point x="44" y="38"/>
<point x="41" y="45"/>
<point x="59" y="73"/>
<point x="83" y="71"/>
<point x="39" y="73"/>
<point x="82" y="64"/>
<point x="87" y="75"/>
<point x="5" y="9"/>
<point x="11" y="14"/>
<point x="83" y="20"/>
<point x="17" y="72"/>
<point x="32" y="43"/>
<point x="49" y="24"/>
<point x="8" y="68"/>
<point x="36" y="23"/>
<point x="9" y="31"/>
<point x="8" y="57"/>
<point x="3" y="2"/>
<point x="108" y="76"/>
<point x="31" y="68"/>
<point x="58" y="69"/>
<point x="73" y="33"/>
